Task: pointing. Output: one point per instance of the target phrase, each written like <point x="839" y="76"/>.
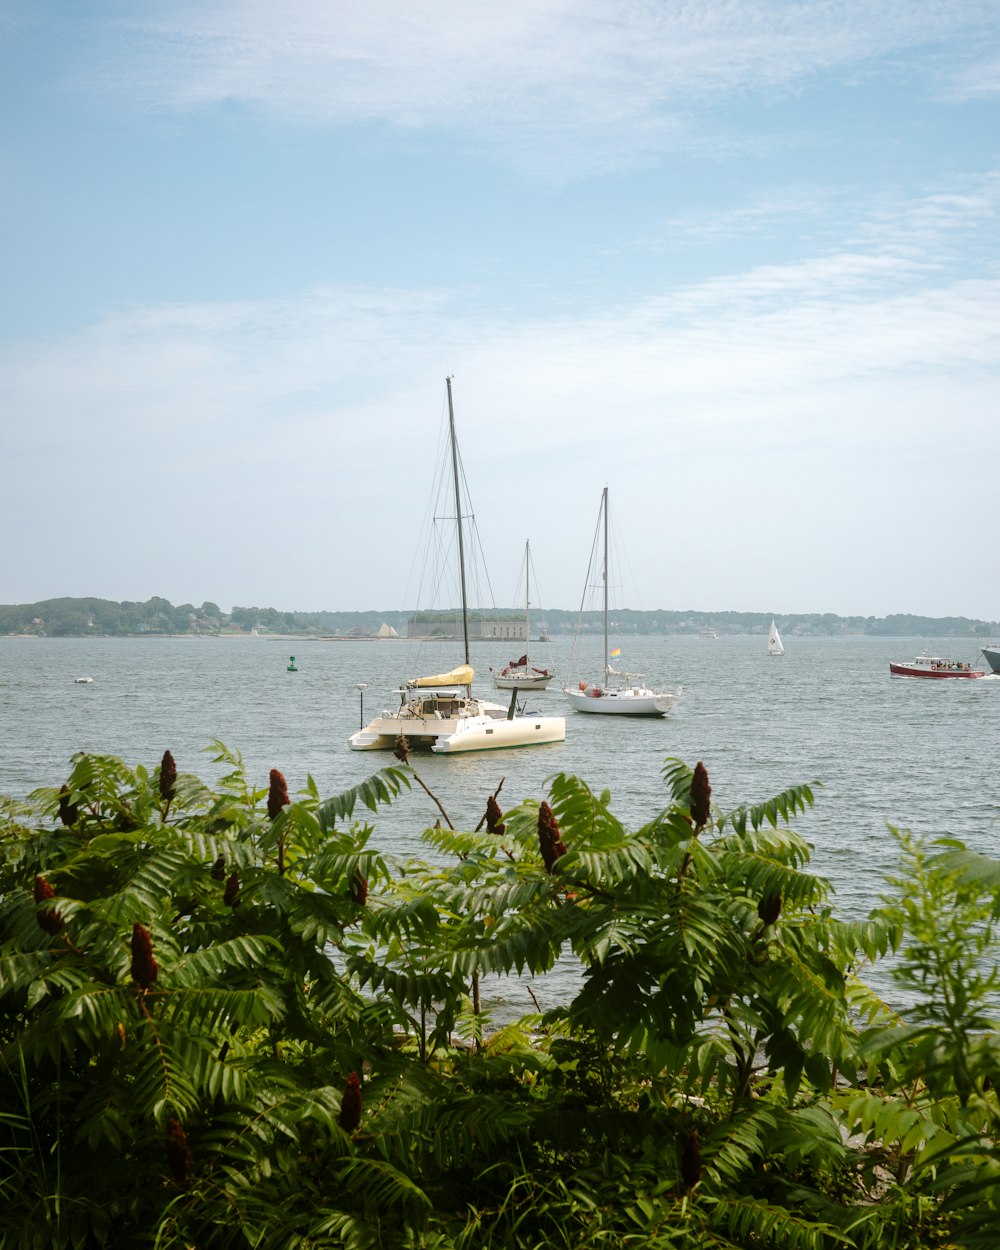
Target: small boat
<point x="522" y="674"/>
<point x="83" y="681"/>
<point x="991" y="655"/>
<point x="440" y="713"/>
<point x="707" y="632"/>
<point x="774" y="643"/>
<point x="618" y="693"/>
<point x="934" y="666"/>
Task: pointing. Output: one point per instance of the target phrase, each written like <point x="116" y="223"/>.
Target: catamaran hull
<point x="453" y="736"/>
<point x="622" y="702"/>
<point x="523" y="731"/>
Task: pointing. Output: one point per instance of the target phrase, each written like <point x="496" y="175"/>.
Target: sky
<point x="737" y="260"/>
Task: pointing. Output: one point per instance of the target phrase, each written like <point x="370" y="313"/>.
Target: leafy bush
<point x="227" y="1020"/>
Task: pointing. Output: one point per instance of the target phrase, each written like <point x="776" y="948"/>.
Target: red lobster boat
<point x="935" y="666"/>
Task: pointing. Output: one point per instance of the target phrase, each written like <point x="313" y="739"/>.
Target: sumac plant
<point x="227" y="1020"/>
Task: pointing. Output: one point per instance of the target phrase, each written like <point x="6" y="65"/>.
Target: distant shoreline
<point x="987" y="638"/>
<point x="158" y="618"/>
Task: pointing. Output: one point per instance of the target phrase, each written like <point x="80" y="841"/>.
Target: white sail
<point x="774" y="646"/>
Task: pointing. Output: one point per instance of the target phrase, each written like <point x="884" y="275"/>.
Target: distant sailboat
<point x="617" y="693"/>
<point x="522" y="674"/>
<point x="774" y="645"/>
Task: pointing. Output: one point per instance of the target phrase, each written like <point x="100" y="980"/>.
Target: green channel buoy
<point x="291" y="664"/>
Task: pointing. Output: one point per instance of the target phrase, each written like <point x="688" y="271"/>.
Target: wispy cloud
<point x="940" y="226"/>
<point x="976" y="81"/>
<point x="832" y="385"/>
<point x="556" y="83"/>
<point x="892" y="239"/>
<point x="246" y="384"/>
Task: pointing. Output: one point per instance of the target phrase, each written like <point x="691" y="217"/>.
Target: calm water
<point x="918" y="754"/>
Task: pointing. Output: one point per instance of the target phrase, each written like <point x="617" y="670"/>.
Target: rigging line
<point x="590" y="586"/>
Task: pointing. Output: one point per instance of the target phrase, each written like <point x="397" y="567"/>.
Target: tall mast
<point x="604" y="506"/>
<point x="527" y="596"/>
<point x="458" y="518"/>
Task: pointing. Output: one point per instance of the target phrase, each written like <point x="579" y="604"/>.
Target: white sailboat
<point x="439" y="712"/>
<point x="521" y="674"/>
<point x="617" y="693"/>
<point x="774" y="644"/>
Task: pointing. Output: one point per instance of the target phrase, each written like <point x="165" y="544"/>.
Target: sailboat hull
<point x="522" y="681"/>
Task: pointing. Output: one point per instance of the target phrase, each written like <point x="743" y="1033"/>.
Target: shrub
<point x="226" y="1020"/>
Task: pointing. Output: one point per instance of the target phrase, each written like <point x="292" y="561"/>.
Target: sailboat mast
<point x="527" y="596"/>
<point x="604" y="506"/>
<point x="458" y="518"/>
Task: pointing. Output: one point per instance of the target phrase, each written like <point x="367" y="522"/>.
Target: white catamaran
<point x="440" y="713"/>
<point x="617" y="693"/>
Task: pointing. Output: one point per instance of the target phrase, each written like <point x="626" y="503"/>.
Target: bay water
<point x="914" y="753"/>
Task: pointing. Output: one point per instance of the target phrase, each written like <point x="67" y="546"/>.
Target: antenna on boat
<point x="458" y="518"/>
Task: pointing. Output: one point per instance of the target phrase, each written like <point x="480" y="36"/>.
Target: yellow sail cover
<point x="461" y="676"/>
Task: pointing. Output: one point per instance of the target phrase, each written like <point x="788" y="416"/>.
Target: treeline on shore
<point x="78" y="617"/>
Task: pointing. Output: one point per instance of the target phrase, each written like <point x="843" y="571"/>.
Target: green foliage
<point x="938" y="1112"/>
<point x="220" y="1027"/>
